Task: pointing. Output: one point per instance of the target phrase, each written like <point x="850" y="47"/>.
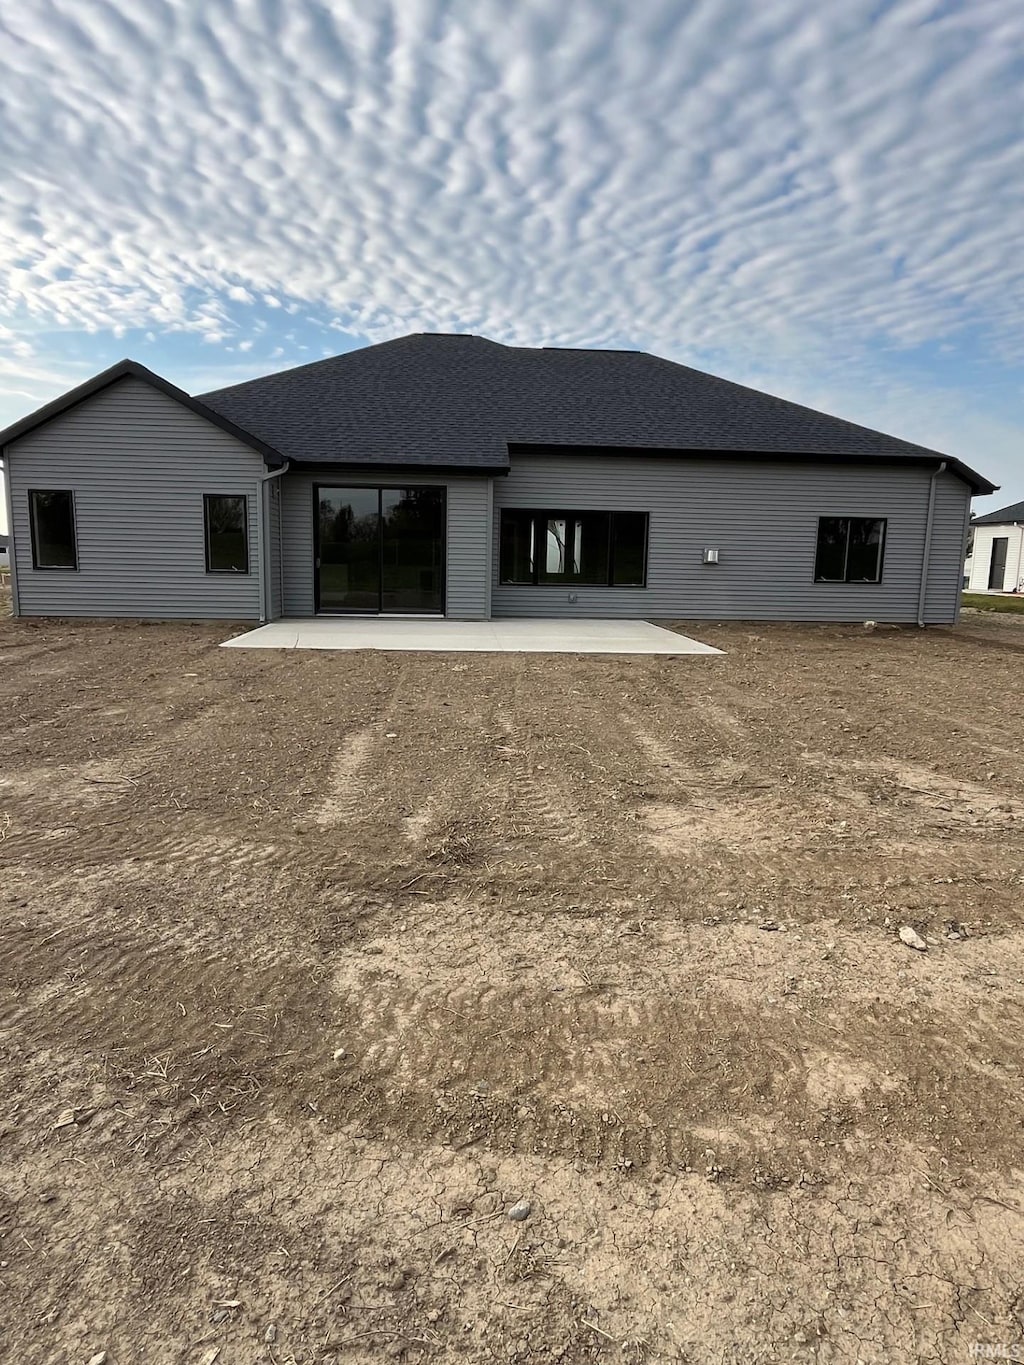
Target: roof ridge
<point x="591" y="350"/>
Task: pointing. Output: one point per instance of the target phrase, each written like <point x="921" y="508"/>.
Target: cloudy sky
<point x="823" y="200"/>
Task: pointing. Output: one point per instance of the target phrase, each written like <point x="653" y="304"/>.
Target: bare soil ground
<point x="311" y="965"/>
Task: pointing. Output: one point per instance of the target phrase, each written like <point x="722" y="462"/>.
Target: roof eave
<point x="977" y="482"/>
<point x="399" y="466"/>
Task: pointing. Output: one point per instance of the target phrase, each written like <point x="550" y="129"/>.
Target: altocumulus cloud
<point x="717" y="178"/>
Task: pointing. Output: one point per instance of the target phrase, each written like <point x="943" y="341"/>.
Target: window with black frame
<point x="52" y="516"/>
<point x="599" y="549"/>
<point x="850" y="550"/>
<point x="227" y="533"/>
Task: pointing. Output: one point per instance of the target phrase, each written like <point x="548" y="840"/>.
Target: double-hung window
<point x="602" y="549"/>
<point x="52" y="517"/>
<point x="227" y="533"/>
<point x="850" y="550"/>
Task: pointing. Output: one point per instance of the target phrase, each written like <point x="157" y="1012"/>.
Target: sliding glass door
<point x="412" y="549"/>
<point x="380" y="550"/>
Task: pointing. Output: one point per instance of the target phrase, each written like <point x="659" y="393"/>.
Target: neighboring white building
<point x="997" y="562"/>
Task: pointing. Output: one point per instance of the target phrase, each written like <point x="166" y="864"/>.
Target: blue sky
<point x="825" y="201"/>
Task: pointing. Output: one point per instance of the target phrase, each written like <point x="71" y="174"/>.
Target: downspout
<point x="262" y="537"/>
<point x="9" y="502"/>
<point x="280" y="546"/>
<point x="963" y="556"/>
<point x="926" y="557"/>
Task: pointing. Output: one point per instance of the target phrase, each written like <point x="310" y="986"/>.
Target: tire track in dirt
<point x="145" y="926"/>
<point x="98" y="839"/>
<point x="429" y="805"/>
<point x="137" y="993"/>
<point x="224" y="895"/>
<point x="76" y="967"/>
<point x="548" y="787"/>
<point x="362" y="781"/>
<point x="488" y="792"/>
<point x="524" y="1071"/>
<point x="196" y="844"/>
<point x="345" y="800"/>
<point x="103" y="808"/>
<point x="426" y="807"/>
<point x="132" y="735"/>
<point x="75" y="785"/>
<point x="669" y="764"/>
<point x="608" y="1137"/>
<point x="27" y="652"/>
<point x="943" y="795"/>
<point x="501" y="1037"/>
<point x="835" y="802"/>
<point x="530" y="1070"/>
<point x="700" y="800"/>
<point x="538" y="801"/>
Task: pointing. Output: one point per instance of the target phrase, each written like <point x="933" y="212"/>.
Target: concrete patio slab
<point x="490" y="637"/>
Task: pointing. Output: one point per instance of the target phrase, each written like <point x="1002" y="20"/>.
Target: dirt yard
<point x="313" y="965"/>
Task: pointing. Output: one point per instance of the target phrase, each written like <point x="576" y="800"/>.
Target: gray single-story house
<point x="453" y="476"/>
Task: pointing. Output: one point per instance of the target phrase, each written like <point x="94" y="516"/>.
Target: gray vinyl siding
<point x="489" y="552"/>
<point x="5" y="479"/>
<point x="762" y="517"/>
<point x="948" y="549"/>
<point x="468" y="550"/>
<point x="138" y="464"/>
<point x="273" y="551"/>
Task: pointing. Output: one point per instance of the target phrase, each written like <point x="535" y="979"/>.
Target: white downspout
<point x="926" y="557"/>
<point x="263" y="537"/>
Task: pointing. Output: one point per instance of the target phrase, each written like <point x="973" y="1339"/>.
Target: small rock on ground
<point x="520" y="1211"/>
<point x="912" y="938"/>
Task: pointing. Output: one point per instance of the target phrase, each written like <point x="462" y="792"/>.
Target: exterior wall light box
<point x="710" y="556"/>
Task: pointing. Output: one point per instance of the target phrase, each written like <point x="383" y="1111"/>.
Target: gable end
<point x="131" y="369"/>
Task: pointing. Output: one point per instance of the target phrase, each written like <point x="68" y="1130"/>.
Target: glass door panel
<point x="349" y="549"/>
<point x="412" y="551"/>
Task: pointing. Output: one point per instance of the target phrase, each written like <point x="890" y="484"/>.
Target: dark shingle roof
<point x="450" y="400"/>
<point x="1005" y="515"/>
